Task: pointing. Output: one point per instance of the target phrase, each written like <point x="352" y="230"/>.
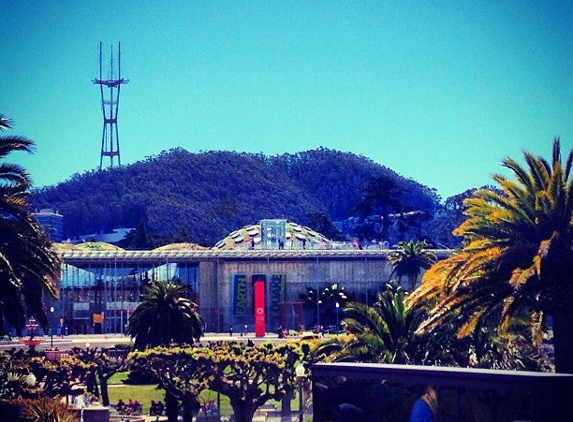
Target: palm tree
<point x="409" y="260"/>
<point x="385" y="332"/>
<point x="165" y="316"/>
<point x="28" y="264"/>
<point x="518" y="254"/>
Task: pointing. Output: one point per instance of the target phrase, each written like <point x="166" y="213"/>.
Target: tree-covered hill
<point x="201" y="197"/>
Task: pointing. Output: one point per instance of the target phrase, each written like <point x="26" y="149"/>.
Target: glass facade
<point x="99" y="297"/>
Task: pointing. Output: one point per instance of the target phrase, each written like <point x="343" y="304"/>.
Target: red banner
<point x="260" y="308"/>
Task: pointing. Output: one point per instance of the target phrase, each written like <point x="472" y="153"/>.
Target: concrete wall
<point x="356" y="276"/>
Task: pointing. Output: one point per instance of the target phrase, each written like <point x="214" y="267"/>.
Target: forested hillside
<point x="201" y="197"/>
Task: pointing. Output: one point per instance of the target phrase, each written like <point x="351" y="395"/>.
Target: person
<point x="129" y="407"/>
<point x="230" y="331"/>
<point x="160" y="408"/>
<point x="120" y="406"/>
<point x="212" y="407"/>
<point x="281" y="242"/>
<point x="425" y="409"/>
<point x="137" y="408"/>
<point x="82" y="400"/>
<point x="79" y="401"/>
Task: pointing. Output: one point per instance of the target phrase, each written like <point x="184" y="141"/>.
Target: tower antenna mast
<point x="110" y="107"/>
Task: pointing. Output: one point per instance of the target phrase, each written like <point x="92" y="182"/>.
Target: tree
<point x="165" y="316"/>
<point x="249" y="375"/>
<point x="320" y="222"/>
<point x="380" y="196"/>
<point x="385" y="332"/>
<point x="517" y="254"/>
<point x="57" y="377"/>
<point x="101" y="365"/>
<point x="28" y="264"/>
<point x="409" y="259"/>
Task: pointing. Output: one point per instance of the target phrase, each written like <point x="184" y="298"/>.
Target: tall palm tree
<point x="164" y="316"/>
<point x="28" y="264"/>
<point x="409" y="260"/>
<point x="518" y="254"/>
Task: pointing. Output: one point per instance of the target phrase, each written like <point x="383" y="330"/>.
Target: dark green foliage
<point x="385" y="332"/>
<point x="164" y="317"/>
<point x="409" y="259"/>
<point x="28" y="264"/>
<point x="202" y="197"/>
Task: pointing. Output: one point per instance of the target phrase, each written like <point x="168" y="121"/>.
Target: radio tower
<point x="109" y="108"/>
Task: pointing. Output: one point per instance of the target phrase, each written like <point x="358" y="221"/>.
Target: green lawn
<point x="145" y="393"/>
<point x="142" y="393"/>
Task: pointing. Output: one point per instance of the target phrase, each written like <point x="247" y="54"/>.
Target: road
<point x="109" y="340"/>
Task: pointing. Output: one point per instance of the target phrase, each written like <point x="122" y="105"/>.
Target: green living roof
<point x="297" y="237"/>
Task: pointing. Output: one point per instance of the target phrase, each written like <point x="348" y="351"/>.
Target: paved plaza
<point x="109" y="340"/>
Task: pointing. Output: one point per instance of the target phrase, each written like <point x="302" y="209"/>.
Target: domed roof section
<point x="180" y="247"/>
<point x="297" y="237"/>
<point x="86" y="246"/>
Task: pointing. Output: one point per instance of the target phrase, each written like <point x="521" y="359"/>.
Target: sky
<point x="438" y="91"/>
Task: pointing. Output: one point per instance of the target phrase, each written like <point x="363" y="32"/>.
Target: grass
<point x="144" y="393"/>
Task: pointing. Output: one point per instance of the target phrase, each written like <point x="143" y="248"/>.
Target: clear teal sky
<point x="439" y="91"/>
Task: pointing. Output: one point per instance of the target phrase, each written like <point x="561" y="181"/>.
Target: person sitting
<point x="212" y="407"/>
<point x="137" y="408"/>
<point x="120" y="406"/>
<point x="129" y="407"/>
<point x="160" y="408"/>
<point x="81" y="400"/>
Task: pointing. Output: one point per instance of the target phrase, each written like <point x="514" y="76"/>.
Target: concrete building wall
<point x="356" y="276"/>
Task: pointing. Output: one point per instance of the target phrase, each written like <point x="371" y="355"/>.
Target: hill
<point x="201" y="197"/>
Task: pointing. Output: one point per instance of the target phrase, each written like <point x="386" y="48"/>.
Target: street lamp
<point x="51" y="328"/>
<point x="337" y="306"/>
<point x="300" y="371"/>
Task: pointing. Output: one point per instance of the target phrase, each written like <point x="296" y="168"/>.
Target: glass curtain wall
<point x="99" y="297"/>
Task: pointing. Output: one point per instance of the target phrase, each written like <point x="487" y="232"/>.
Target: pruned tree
<point x="249" y="375"/>
<point x="102" y="363"/>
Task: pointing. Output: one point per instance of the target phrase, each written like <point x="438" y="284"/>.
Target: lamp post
<point x="318" y="303"/>
<point x="51" y="328"/>
<point x="300" y="371"/>
<point x="337" y="306"/>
